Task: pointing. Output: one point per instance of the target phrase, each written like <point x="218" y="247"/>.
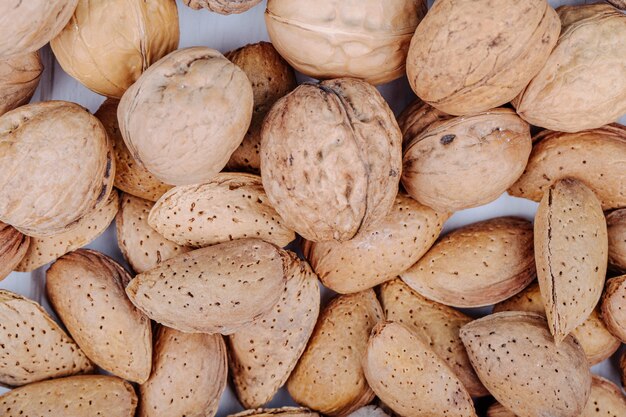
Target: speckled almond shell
<point x="19" y="77"/>
<point x="282" y="412"/>
<point x="13" y="247"/>
<point x="594" y="337"/>
<point x="380" y="252"/>
<point x="186" y="115"/>
<point x="516" y="358"/>
<point x="86" y="289"/>
<point x="416" y="118"/>
<point x="571" y="249"/>
<point x="76" y="396"/>
<point x="616" y="229"/>
<point x="614" y="306"/>
<point x="468" y="57"/>
<point x="188" y="377"/>
<point x="263" y="354"/>
<point x="26" y="26"/>
<point x="47" y="249"/>
<point x="606" y="399"/>
<point x="596" y="157"/>
<point x="217" y="289"/>
<point x="331" y="158"/>
<point x="223" y="6"/>
<point x="477" y="265"/>
<point x="33" y="346"/>
<point x="130" y="176"/>
<point x="582" y="85"/>
<point x="329" y="377"/>
<point x="56" y="167"/>
<point x="498" y="410"/>
<point x="230" y="206"/>
<point x="434" y="324"/>
<point x="494" y="144"/>
<point x="395" y="356"/>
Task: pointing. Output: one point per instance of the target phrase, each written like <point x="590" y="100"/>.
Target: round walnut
<point x="27" y="25"/>
<point x="186" y="115"/>
<point x="331" y="158"/>
<point x="223" y="6"/>
<point x="471" y="56"/>
<point x="56" y="167"/>
<point x="107" y="44"/>
<point x="365" y="39"/>
<point x="19" y="77"/>
<point x="271" y="78"/>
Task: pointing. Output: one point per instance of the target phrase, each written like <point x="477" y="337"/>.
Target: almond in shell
<point x="13" y="248"/>
<point x="614" y="306"/>
<point x="616" y="229"/>
<point x="281" y="412"/>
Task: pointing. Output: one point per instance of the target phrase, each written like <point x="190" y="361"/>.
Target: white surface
<point x="225" y="33"/>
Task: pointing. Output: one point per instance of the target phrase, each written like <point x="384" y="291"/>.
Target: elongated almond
<point x="616" y="229"/>
<point x="614" y="306"/>
<point x="283" y="412"/>
<point x="13" y="248"/>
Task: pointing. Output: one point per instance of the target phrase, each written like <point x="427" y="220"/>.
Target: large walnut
<point x="223" y="6"/>
<point x="19" y="77"/>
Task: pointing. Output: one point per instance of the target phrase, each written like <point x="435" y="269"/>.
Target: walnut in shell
<point x="223" y="6"/>
<point x="616" y="228"/>
<point x="19" y="77"/>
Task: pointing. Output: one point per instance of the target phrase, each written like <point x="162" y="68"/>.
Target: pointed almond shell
<point x="571" y="249"/>
<point x="230" y="206"/>
<point x="516" y="358"/>
<point x="329" y="376"/>
<point x="498" y="410"/>
<point x="476" y="265"/>
<point x="76" y="396"/>
<point x="263" y="354"/>
<point x="434" y="324"/>
<point x="282" y="412"/>
<point x="616" y="229"/>
<point x="606" y="400"/>
<point x="13" y="248"/>
<point x="33" y="346"/>
<point x="142" y="246"/>
<point x="86" y="289"/>
<point x="614" y="306"/>
<point x="410" y="378"/>
<point x="217" y="289"/>
<point x="188" y="376"/>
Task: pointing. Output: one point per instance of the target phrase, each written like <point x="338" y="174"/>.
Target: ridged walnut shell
<point x="13" y="248"/>
<point x="616" y="228"/>
<point x="331" y="158"/>
<point x="19" y="77"/>
<point x="56" y="167"/>
<point x="366" y="39"/>
<point x="471" y="56"/>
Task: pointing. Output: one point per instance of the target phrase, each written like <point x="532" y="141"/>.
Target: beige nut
<point x="19" y="77"/>
<point x="614" y="306"/>
<point x="13" y="248"/>
<point x="223" y="6"/>
<point x="606" y="399"/>
<point x="616" y="229"/>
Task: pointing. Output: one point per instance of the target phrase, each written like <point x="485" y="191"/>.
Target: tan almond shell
<point x="596" y="157"/>
<point x="47" y="249"/>
<point x="13" y="247"/>
<point x="217" y="289"/>
<point x="107" y="45"/>
<point x="614" y="306"/>
<point x="142" y="246"/>
<point x="416" y="117"/>
<point x="223" y="6"/>
<point x="463" y="60"/>
<point x="380" y="252"/>
<point x="594" y="337"/>
<point x="56" y="167"/>
<point x="19" y="77"/>
<point x="498" y="410"/>
<point x="366" y="39"/>
<point x="26" y="26"/>
<point x="283" y="412"/>
<point x="228" y="207"/>
<point x="33" y="346"/>
<point x="75" y="396"/>
<point x="329" y="377"/>
<point x="606" y="399"/>
<point x="188" y="377"/>
<point x="331" y="158"/>
<point x="571" y="249"/>
<point x="616" y="229"/>
<point x="445" y="167"/>
<point x="582" y="84"/>
<point x="477" y="265"/>
<point x="395" y="357"/>
<point x="517" y="359"/>
<point x="186" y="135"/>
<point x="620" y="4"/>
<point x="271" y="78"/>
<point x="130" y="176"/>
<point x="86" y="289"/>
<point x="434" y="324"/>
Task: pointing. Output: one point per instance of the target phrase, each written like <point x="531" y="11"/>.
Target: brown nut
<point x="416" y="118"/>
<point x="106" y="45"/>
<point x="223" y="6"/>
<point x="271" y="78"/>
<point x="616" y="229"/>
<point x="186" y="115"/>
<point x="622" y="366"/>
<point x="614" y="306"/>
<point x="468" y="57"/>
<point x="13" y="247"/>
<point x="446" y="166"/>
<point x="582" y="85"/>
<point x="56" y="167"/>
<point x="365" y="39"/>
<point x="331" y="158"/>
<point x="19" y="77"/>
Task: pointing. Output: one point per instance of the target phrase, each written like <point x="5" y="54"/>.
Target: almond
<point x="614" y="306"/>
<point x="616" y="229"/>
<point x="13" y="247"/>
<point x="606" y="399"/>
<point x="283" y="412"/>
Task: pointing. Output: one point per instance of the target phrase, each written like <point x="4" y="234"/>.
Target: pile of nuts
<point x="212" y="164"/>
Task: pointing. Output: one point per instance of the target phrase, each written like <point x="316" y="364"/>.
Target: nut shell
<point x="416" y="118"/>
<point x="282" y="412"/>
<point x="614" y="306"/>
<point x="223" y="6"/>
<point x="620" y="4"/>
<point x="616" y="229"/>
<point x="13" y="248"/>
<point x="19" y="77"/>
<point x="606" y="399"/>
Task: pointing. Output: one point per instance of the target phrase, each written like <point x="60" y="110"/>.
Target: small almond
<point x="13" y="248"/>
<point x="282" y="412"/>
<point x="616" y="229"/>
<point x="614" y="306"/>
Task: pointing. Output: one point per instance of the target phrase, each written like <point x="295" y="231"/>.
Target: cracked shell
<point x="19" y="77"/>
<point x="281" y="412"/>
<point x="223" y="6"/>
<point x="57" y="167"/>
<point x="13" y="248"/>
<point x="331" y="158"/>
<point x="616" y="229"/>
<point x="614" y="306"/>
<point x="86" y="289"/>
<point x="516" y="358"/>
<point x="186" y="115"/>
<point x="571" y="249"/>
